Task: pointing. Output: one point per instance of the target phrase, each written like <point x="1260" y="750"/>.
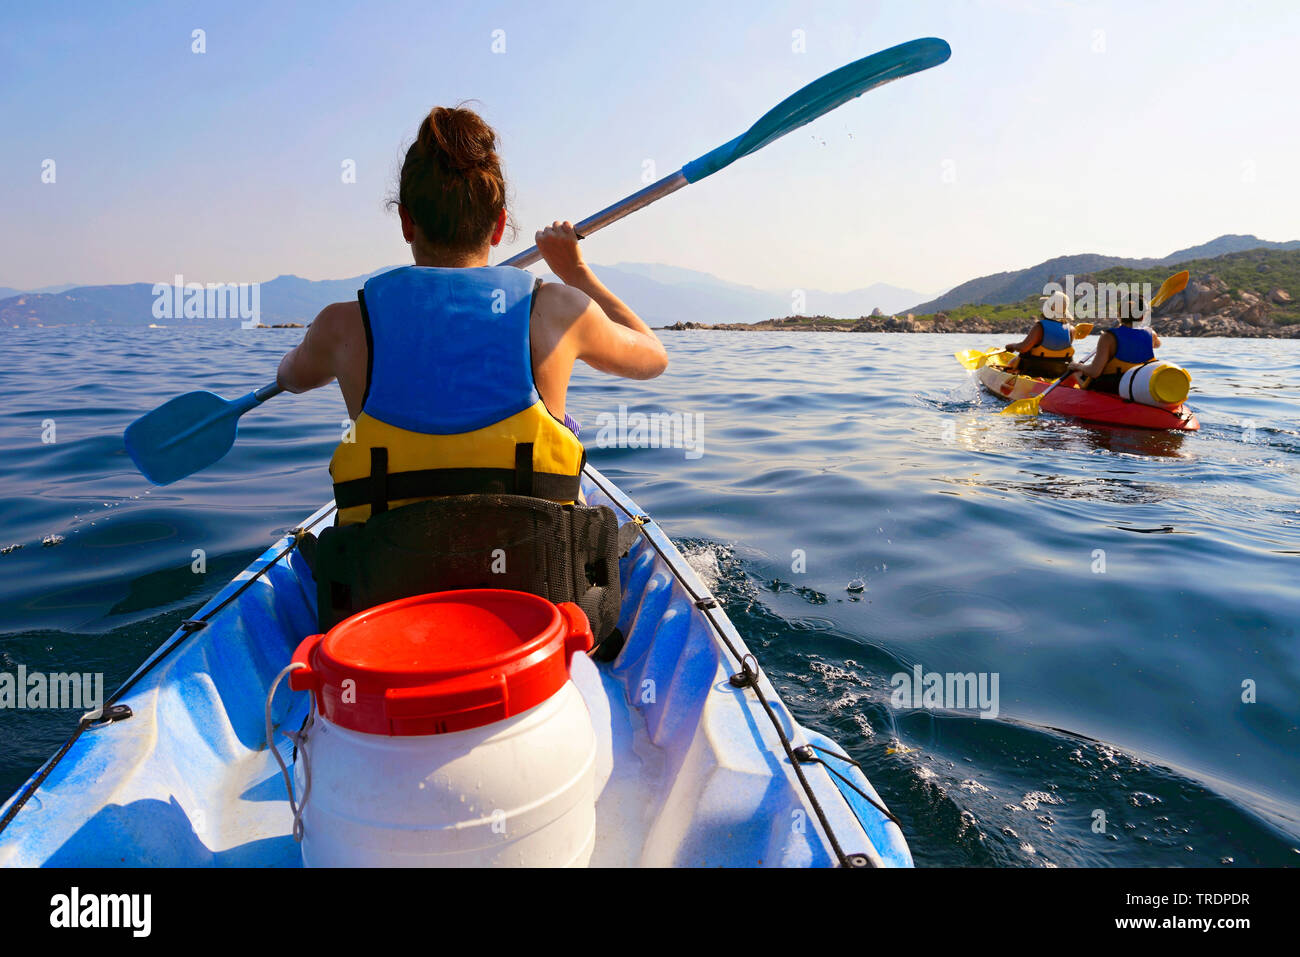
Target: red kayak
<point x="1111" y="409"/>
<point x="1077" y="403"/>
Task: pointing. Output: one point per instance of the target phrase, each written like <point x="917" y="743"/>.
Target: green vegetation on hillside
<point x="1019" y="312"/>
<point x="1257" y="271"/>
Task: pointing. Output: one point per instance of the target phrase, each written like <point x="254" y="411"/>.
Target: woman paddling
<point x="455" y="374"/>
<point x="451" y="201"/>
<point x="1119" y="349"/>
<point x="1048" y="347"/>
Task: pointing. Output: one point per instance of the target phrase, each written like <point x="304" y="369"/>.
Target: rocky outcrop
<point x="1207" y="307"/>
<point x="909" y="323"/>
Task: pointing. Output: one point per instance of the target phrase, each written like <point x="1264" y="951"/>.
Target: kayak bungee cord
<point x="808" y="754"/>
<point x="112" y="712"/>
<point x="748" y="677"/>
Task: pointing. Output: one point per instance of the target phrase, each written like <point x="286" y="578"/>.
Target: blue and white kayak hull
<point x="694" y="768"/>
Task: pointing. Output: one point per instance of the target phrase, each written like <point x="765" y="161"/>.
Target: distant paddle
<point x="188" y="433"/>
<point x="977" y="359"/>
<point x="192" y="431"/>
<point x="1031" y="406"/>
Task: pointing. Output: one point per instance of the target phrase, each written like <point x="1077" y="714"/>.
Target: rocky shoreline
<point x="1206" y="308"/>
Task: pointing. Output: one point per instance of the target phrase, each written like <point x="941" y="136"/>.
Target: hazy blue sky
<point x="1131" y="128"/>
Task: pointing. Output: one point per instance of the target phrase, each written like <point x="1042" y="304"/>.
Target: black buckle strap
<point x="378" y="480"/>
<point x="524" y="468"/>
<point x="431" y="483"/>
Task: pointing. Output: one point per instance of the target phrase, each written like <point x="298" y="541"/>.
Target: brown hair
<point x="451" y="181"/>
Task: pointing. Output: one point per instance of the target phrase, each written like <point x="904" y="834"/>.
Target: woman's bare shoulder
<point x="558" y="303"/>
<point x="339" y="319"/>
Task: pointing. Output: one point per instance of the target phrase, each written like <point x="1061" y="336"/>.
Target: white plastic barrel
<point x="1157" y="383"/>
<point x="446" y="772"/>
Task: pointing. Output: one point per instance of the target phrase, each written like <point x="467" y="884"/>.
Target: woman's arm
<point x="1031" y="339"/>
<point x="608" y="335"/>
<point x="1105" y="350"/>
<point x="311" y="363"/>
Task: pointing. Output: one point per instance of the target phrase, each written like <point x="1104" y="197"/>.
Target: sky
<point x="1057" y="127"/>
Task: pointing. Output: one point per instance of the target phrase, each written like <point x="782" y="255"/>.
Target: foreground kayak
<point x="1077" y="403"/>
<point x="701" y="772"/>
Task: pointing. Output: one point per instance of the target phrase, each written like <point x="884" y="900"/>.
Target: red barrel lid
<point x="443" y="662"/>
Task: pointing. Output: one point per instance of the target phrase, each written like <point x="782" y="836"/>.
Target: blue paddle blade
<point x="822" y="96"/>
<point x="183" y="435"/>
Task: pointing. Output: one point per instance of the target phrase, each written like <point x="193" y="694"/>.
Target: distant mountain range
<point x="660" y="294"/>
<point x="1014" y="286"/>
<point x="6" y="291"/>
<point x="283" y="299"/>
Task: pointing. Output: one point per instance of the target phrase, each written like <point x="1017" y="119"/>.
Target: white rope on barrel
<point x="299" y="741"/>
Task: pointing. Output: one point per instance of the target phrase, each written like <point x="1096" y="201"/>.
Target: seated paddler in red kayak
<point x="1120" y="348"/>
<point x="1047" y="349"/>
<point x="458" y="470"/>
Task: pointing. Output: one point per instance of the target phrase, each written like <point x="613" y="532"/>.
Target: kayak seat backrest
<point x="560" y="552"/>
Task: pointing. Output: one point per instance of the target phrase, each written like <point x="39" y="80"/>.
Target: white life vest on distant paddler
<point x="450" y="406"/>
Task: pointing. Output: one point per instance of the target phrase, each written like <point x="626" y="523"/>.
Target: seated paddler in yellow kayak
<point x="1048" y="348"/>
<point x="1127" y="345"/>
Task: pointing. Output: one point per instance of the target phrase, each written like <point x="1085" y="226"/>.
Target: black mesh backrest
<point x="561" y="552"/>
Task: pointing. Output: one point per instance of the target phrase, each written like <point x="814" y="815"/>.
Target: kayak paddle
<point x="1030" y="406"/>
<point x="817" y="98"/>
<point x="192" y="431"/>
<point x="188" y="433"/>
<point x="975" y="359"/>
<point x="1170" y="288"/>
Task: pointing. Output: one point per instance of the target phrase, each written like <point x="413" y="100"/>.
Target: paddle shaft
<point x="1042" y="395"/>
<point x="610" y="214"/>
<point x="266" y="392"/>
<point x="817" y="98"/>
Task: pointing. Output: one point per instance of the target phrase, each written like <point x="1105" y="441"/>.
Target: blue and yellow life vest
<point x="1057" y="342"/>
<point x="1133" y="347"/>
<point x="450" y="406"/>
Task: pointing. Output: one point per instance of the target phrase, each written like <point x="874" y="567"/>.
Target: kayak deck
<point x="691" y="770"/>
<point x="1068" y="400"/>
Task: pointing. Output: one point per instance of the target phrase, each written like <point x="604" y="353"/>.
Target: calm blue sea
<point x="1162" y="691"/>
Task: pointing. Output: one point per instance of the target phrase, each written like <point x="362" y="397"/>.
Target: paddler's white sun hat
<point x="1057" y="306"/>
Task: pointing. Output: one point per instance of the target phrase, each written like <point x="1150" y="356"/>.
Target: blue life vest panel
<point x="1056" y="337"/>
<point x="1133" y="346"/>
<point x="451" y="407"/>
<point x="475" y="321"/>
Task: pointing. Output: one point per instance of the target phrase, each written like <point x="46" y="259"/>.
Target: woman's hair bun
<point x="451" y="181"/>
<point x="457" y="139"/>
